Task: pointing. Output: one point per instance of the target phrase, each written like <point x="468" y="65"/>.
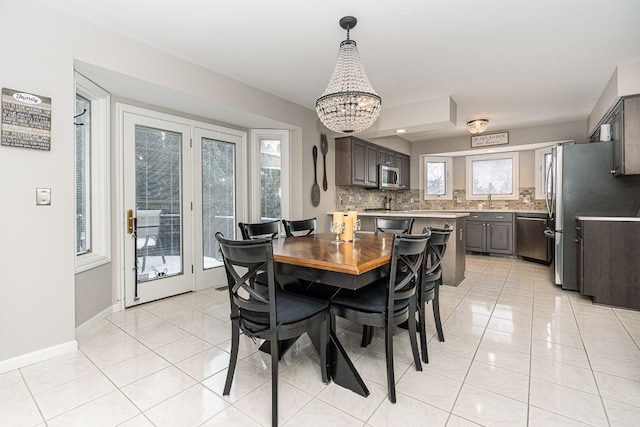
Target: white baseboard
<point x="37" y="356"/>
<point x="96" y="319"/>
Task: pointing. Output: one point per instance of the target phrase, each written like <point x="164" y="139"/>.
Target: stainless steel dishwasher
<point x="531" y="242"/>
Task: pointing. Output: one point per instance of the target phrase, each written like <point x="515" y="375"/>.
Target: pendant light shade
<point x="349" y="104"/>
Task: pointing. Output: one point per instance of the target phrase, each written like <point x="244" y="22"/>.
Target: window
<point x="494" y="175"/>
<point x="270" y="155"/>
<point x="93" y="227"/>
<point x="543" y="162"/>
<point x="437" y="178"/>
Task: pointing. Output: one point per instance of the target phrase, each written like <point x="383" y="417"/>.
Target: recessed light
<point x="401" y="130"/>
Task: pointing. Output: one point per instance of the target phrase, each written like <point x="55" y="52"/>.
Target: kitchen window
<point x="437" y="173"/>
<point x="93" y="226"/>
<point x="270" y="174"/>
<point x="493" y="175"/>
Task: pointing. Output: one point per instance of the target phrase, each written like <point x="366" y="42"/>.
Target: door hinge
<point x="192" y="269"/>
<point x="190" y="142"/>
<point x="191" y="205"/>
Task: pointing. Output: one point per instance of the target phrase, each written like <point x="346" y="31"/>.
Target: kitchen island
<point x="453" y="264"/>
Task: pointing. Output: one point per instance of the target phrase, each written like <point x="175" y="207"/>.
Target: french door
<point x="182" y="183"/>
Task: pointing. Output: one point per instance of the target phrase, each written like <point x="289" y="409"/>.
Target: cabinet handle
<point x="500" y="217"/>
<point x="613" y="171"/>
<point x="461" y="234"/>
<point x="474" y="216"/>
<point x="576" y="240"/>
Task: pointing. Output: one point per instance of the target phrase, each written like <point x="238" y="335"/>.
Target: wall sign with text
<point x="26" y="120"/>
<point x="490" y="139"/>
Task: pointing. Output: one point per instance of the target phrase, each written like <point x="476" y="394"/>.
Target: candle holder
<point x="356" y="227"/>
<point x="337" y="228"/>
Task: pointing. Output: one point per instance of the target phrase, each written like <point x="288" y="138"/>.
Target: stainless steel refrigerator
<point x="579" y="182"/>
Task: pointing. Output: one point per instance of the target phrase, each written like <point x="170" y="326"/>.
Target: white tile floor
<point x="518" y="352"/>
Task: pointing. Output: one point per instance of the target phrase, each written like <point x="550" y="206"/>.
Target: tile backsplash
<point x="356" y="198"/>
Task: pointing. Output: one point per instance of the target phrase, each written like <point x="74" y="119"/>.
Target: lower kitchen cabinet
<point x="490" y="232"/>
<point x="608" y="254"/>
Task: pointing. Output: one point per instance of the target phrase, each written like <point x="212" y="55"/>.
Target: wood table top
<point x="368" y="252"/>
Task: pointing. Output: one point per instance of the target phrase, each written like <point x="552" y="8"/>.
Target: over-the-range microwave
<point x="388" y="177"/>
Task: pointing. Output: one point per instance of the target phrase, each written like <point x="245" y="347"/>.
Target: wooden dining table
<point x="321" y="261"/>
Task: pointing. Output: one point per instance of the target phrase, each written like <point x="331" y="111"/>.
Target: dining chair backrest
<point x="259" y="230"/>
<point x="436" y="248"/>
<point x="407" y="256"/>
<point x="302" y="227"/>
<point x="393" y="225"/>
<point x="243" y="261"/>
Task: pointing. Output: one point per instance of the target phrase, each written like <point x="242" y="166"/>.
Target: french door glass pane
<point x="493" y="176"/>
<point x="158" y="203"/>
<point x="218" y="202"/>
<point x="82" y="122"/>
<point x="436" y="172"/>
<point x="270" y="181"/>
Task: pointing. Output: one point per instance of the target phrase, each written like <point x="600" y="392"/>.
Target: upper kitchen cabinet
<point x="403" y="162"/>
<point x="624" y="119"/>
<point x="356" y="162"/>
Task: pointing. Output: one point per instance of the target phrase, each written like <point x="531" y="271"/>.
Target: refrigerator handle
<point x="547" y="193"/>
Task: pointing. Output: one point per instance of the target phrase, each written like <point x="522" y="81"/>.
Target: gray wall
<point x="38" y="293"/>
<point x="576" y="131"/>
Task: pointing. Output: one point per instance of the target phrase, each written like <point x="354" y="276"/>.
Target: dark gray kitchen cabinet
<point x="490" y="232"/>
<point x="608" y="254"/>
<point x="356" y="162"/>
<point x="403" y="162"/>
<point x="624" y="119"/>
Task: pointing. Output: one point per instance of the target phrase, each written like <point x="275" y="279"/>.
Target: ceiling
<point x="518" y="63"/>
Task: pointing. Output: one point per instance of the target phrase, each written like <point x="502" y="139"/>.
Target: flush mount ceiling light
<point x="477" y="126"/>
<point x="349" y="103"/>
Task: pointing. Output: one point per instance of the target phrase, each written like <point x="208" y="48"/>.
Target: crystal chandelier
<point x="477" y="126"/>
<point x="349" y="103"/>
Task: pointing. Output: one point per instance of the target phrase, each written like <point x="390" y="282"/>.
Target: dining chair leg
<point x="436" y="312"/>
<point x="367" y="335"/>
<point x="422" y="328"/>
<point x="391" y="380"/>
<point x="235" y="343"/>
<point x="274" y="380"/>
<point x="413" y="332"/>
<point x="324" y="348"/>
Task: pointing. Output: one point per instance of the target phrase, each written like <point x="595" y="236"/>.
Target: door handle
<point x="130" y="222"/>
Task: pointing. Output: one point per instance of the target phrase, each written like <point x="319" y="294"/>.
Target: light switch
<point x="43" y="196"/>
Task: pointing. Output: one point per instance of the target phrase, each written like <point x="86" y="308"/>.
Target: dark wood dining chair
<point x="302" y="227"/>
<point x="259" y="229"/>
<point x="269" y="229"/>
<point x="429" y="289"/>
<point x="272" y="313"/>
<point x="386" y="225"/>
<point x="393" y="225"/>
<point x="391" y="300"/>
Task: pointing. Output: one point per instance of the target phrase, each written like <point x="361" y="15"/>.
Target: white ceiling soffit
<point x="437" y="113"/>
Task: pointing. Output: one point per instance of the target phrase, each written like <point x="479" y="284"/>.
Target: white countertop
<point x="414" y="213"/>
<point x="609" y="218"/>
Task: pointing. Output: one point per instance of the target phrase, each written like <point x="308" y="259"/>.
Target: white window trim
<point x="100" y="253"/>
<point x="540" y="172"/>
<point x="495" y="156"/>
<point x="448" y="185"/>
<point x="285" y="151"/>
